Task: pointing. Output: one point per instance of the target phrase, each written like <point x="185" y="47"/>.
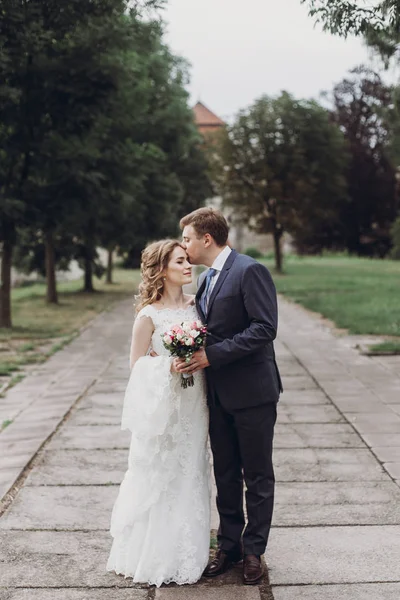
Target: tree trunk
<point x="5" y="289"/>
<point x="109" y="266"/>
<point x="51" y="291"/>
<point x="277" y="233"/>
<point x="88" y="276"/>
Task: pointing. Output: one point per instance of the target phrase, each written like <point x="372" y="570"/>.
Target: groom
<point x="237" y="300"/>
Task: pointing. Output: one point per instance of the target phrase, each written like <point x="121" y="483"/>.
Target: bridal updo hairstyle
<point x="155" y="259"/>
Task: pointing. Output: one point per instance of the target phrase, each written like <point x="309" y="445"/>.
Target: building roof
<point x="205" y="118"/>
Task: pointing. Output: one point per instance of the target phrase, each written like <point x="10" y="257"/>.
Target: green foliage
<point x="395" y="253"/>
<point x="345" y="17"/>
<point x="8" y="367"/>
<point x="253" y="252"/>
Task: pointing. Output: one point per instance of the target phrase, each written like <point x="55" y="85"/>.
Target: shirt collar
<point x="219" y="262"/>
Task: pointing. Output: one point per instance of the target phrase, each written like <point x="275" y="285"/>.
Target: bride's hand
<point x="175" y="365"/>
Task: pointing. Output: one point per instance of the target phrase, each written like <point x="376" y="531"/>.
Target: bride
<point x="161" y="519"/>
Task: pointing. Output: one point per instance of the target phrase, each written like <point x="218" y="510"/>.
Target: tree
<point x="361" y="105"/>
<point x="345" y="17"/>
<point x="15" y="132"/>
<point x="281" y="166"/>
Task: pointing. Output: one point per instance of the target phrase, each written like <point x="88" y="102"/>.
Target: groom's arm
<point x="259" y="296"/>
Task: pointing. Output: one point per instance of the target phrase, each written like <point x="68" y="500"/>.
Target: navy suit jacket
<point x="242" y="323"/>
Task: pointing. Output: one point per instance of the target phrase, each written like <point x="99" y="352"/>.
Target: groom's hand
<point x="198" y="361"/>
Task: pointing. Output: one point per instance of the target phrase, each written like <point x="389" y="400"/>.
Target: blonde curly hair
<point x="155" y="259"/>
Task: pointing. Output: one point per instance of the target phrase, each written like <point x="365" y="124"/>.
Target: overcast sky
<point x="240" y="50"/>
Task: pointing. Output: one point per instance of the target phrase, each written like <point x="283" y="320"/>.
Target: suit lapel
<point x="222" y="276"/>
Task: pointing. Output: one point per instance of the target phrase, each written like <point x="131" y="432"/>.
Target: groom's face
<point x="193" y="245"/>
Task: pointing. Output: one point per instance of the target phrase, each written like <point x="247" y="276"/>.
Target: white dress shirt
<point x="218" y="265"/>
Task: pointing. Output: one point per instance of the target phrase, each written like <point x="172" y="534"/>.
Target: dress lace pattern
<point x="161" y="518"/>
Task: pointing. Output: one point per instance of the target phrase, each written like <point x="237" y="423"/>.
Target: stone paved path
<point x="337" y="520"/>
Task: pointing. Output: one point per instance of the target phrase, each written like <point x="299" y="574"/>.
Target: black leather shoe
<point x="252" y="569"/>
<point x="221" y="563"/>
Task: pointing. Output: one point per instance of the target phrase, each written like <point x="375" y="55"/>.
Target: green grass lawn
<point x="360" y="295"/>
<point x="40" y="330"/>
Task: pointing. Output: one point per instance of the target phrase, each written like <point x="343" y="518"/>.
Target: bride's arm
<point x="141" y="338"/>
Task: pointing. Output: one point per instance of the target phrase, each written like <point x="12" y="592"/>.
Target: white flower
<point x="194" y="333"/>
<point x="199" y="324"/>
<point x="179" y="336"/>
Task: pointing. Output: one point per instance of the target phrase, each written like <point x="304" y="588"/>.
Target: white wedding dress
<point x="161" y="519"/>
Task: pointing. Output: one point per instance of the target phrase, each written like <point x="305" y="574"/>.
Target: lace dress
<point x="161" y="519"/>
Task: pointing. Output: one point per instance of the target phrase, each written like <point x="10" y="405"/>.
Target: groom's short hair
<point x="208" y="220"/>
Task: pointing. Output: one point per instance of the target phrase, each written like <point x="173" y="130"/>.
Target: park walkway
<point x="337" y="520"/>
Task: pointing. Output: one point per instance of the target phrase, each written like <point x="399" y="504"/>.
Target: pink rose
<point x="168" y="339"/>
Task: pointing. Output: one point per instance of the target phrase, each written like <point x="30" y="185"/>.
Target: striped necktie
<point x="205" y="295"/>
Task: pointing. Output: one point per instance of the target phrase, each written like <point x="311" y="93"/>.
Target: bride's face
<point x="179" y="270"/>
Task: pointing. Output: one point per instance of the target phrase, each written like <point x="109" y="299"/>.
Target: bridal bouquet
<point x="183" y="341"/>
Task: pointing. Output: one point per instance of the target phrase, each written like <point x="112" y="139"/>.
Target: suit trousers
<point x="241" y="443"/>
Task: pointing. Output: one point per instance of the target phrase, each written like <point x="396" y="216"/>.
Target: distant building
<point x="207" y="122"/>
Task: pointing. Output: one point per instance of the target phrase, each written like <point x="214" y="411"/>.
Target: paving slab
<point x="383" y="422"/>
<point x="57" y="559"/>
<point x="299" y="382"/>
<point x="360" y="404"/>
<point x="330" y="503"/>
<point x="392" y="397"/>
<point x="325" y="464"/>
<point x="97" y="399"/>
<point x="309" y="414"/>
<point x="349" y="387"/>
<point x="316" y="435"/>
<point x="304" y="397"/>
<point x="393" y="469"/>
<point x="73" y="594"/>
<point x="387" y="454"/>
<point x="227" y="592"/>
<point x="383" y="440"/>
<point x="356" y="591"/>
<point x="80" y="467"/>
<point x="90" y="437"/>
<point x="106" y="415"/>
<point x="65" y="507"/>
<point x="327" y="555"/>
